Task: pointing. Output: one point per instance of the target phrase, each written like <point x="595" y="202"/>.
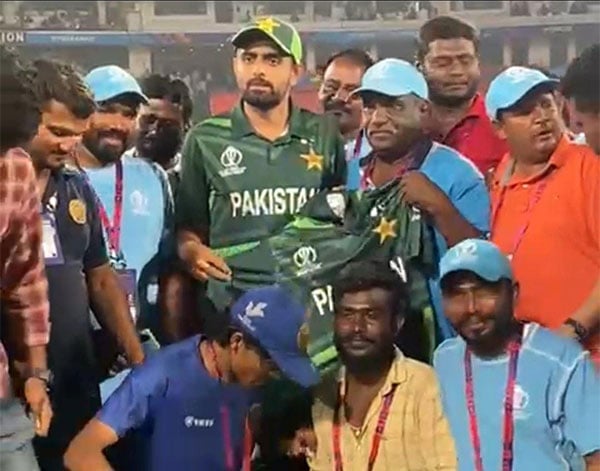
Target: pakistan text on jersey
<point x="269" y="201"/>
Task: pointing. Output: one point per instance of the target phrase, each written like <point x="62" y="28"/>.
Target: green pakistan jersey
<point x="237" y="186"/>
<point x="333" y="229"/>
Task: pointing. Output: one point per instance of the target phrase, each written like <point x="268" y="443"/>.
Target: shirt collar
<point x="397" y="374"/>
<point x="477" y="109"/>
<point x="418" y="154"/>
<point x="240" y="126"/>
<point x="557" y="160"/>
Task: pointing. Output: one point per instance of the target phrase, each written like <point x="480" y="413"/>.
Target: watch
<point x="580" y="331"/>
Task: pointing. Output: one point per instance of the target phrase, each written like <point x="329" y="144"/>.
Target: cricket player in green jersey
<point x="244" y="174"/>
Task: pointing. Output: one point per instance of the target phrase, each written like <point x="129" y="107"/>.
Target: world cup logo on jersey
<point x="305" y="259"/>
<point x="230" y="159"/>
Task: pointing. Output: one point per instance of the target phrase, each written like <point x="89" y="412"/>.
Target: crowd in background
<point x="410" y="280"/>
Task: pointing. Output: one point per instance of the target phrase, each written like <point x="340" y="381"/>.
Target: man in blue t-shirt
<point x="445" y="186"/>
<point x="191" y="398"/>
<point x="527" y="395"/>
<point x="135" y="203"/>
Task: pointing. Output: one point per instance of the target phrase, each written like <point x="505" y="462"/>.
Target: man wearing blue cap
<point x="191" y="398"/>
<point x="516" y="395"/>
<point x="134" y="198"/>
<point x="546" y="207"/>
<point x="435" y="179"/>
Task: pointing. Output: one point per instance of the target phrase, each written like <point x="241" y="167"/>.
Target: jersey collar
<point x="241" y="127"/>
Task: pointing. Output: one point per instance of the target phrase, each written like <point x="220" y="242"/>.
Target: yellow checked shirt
<point x="417" y="434"/>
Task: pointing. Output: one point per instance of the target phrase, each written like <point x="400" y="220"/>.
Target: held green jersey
<point x="335" y="228"/>
<point x="237" y="186"/>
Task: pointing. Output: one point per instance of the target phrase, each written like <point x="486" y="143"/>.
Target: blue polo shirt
<point x="177" y="407"/>
<point x="465" y="186"/>
<point x="556" y="407"/>
<point x="147" y="210"/>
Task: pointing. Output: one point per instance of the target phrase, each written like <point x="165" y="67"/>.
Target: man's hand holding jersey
<point x="199" y="260"/>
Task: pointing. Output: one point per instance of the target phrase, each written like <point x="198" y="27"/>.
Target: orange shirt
<point x="553" y="219"/>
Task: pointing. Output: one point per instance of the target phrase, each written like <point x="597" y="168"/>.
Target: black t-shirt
<point x="71" y="202"/>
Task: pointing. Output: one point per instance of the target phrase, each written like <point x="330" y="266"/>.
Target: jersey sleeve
<point x="581" y="406"/>
<point x="95" y="254"/>
<point x="128" y="408"/>
<point x="472" y="201"/>
<point x="336" y="166"/>
<point x="339" y="167"/>
<point x="191" y="209"/>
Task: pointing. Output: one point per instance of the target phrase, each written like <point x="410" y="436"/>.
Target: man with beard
<point x="343" y="73"/>
<point x="245" y="173"/>
<point x="163" y="122"/>
<point x="546" y="206"/>
<point x="581" y="86"/>
<point x="134" y="198"/>
<point x="77" y="266"/>
<point x="448" y="58"/>
<point x="434" y="178"/>
<point x="384" y="411"/>
<point x="516" y="395"/>
<point x="160" y="129"/>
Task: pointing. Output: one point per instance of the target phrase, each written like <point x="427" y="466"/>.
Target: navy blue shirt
<point x="177" y="406"/>
<point x="69" y="200"/>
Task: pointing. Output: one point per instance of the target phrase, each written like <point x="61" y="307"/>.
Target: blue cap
<point x="272" y="317"/>
<point x="511" y="85"/>
<point x="109" y="81"/>
<point x="477" y="256"/>
<point x="394" y="77"/>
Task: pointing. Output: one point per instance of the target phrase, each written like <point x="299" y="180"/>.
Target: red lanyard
<point x="381" y="421"/>
<point x="225" y="419"/>
<point x="536" y="195"/>
<point x="113" y="230"/>
<point x="508" y="430"/>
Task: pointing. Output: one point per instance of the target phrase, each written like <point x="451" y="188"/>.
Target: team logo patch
<point x="77" y="211"/>
<point x="520" y="403"/>
<point x="337" y="204"/>
<point x="386" y="229"/>
<point x="305" y="259"/>
<point x="231" y="158"/>
<point x="139" y="203"/>
<point x="313" y="160"/>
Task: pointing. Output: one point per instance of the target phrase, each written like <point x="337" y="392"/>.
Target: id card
<point x="50" y="241"/>
<point x="129" y="285"/>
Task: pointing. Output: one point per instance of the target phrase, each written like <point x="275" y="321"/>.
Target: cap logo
<point x="252" y="311"/>
<point x="518" y="74"/>
<point x="303" y="337"/>
<point x="467" y="249"/>
<point x="267" y="24"/>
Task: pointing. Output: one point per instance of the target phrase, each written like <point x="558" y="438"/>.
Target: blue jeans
<point x="16" y="432"/>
